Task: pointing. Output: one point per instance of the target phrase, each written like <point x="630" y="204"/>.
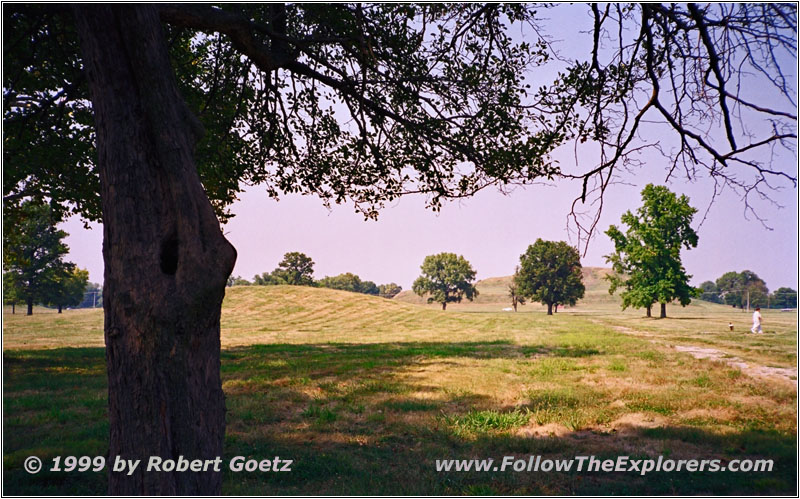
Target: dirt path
<point x="787" y="373"/>
<point x="754" y="370"/>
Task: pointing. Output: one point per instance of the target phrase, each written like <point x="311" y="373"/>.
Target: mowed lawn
<point x="365" y="394"/>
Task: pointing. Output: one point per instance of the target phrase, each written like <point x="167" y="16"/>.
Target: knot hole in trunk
<point x="169" y="255"/>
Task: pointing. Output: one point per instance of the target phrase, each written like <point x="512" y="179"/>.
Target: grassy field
<point x="364" y="394"/>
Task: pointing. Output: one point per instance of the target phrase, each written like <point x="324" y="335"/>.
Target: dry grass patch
<point x="363" y="392"/>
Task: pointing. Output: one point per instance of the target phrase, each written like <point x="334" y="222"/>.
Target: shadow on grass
<point x="353" y="427"/>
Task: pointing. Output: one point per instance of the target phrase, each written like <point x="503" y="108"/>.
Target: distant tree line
<point x="738" y="289"/>
<point x="297" y="269"/>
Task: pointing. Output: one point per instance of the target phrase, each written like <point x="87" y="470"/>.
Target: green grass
<point x="321" y="415"/>
<point x="486" y="421"/>
<point x="363" y="392"/>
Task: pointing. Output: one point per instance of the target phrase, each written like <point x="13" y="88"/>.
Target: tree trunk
<point x="59" y="309"/>
<point x="549" y="309"/>
<point x="444" y="305"/>
<point x="29" y="301"/>
<point x="13" y="308"/>
<point x="166" y="260"/>
<point x="663" y="311"/>
<point x="650" y="310"/>
<point x="555" y="308"/>
<point x="515" y="306"/>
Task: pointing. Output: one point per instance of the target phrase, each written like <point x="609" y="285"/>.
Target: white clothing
<point x="756" y="322"/>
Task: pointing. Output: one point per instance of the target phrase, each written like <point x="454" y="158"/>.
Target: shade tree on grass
<point x="10" y="295"/>
<point x="550" y="273"/>
<point x="178" y="106"/>
<point x="647" y="256"/>
<point x="446" y="278"/>
<point x="67" y="287"/>
<point x="33" y="260"/>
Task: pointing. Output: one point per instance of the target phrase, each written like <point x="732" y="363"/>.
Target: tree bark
<point x="13" y="308"/>
<point x="59" y="309"/>
<point x="663" y="311"/>
<point x="444" y="305"/>
<point x="166" y="260"/>
<point x="29" y="301"/>
<point x="650" y="310"/>
<point x="549" y="309"/>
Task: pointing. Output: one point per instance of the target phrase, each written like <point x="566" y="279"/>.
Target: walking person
<point x="757" y="322"/>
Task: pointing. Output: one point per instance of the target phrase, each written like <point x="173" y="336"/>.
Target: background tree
<point x="709" y="292"/>
<point x="10" y="296"/>
<point x="446" y="278"/>
<point x="349" y="282"/>
<point x="550" y="273"/>
<point x="345" y="282"/>
<point x="369" y="288"/>
<point x="514" y="292"/>
<point x="647" y="257"/>
<point x="347" y="101"/>
<point x="238" y="281"/>
<point x="92" y="296"/>
<point x="784" y="298"/>
<point x="66" y="287"/>
<point x="740" y="288"/>
<point x="730" y="286"/>
<point x="296" y="269"/>
<point x="32" y="252"/>
<point x="389" y="290"/>
<point x="267" y="279"/>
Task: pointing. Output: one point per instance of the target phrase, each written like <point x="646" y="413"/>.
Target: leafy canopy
<point x="67" y="287"/>
<point x="446" y="278"/>
<point x="373" y="101"/>
<point x="359" y="101"/>
<point x="647" y="256"/>
<point x="550" y="273"/>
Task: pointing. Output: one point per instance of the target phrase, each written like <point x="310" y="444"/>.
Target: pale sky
<point x="491" y="230"/>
